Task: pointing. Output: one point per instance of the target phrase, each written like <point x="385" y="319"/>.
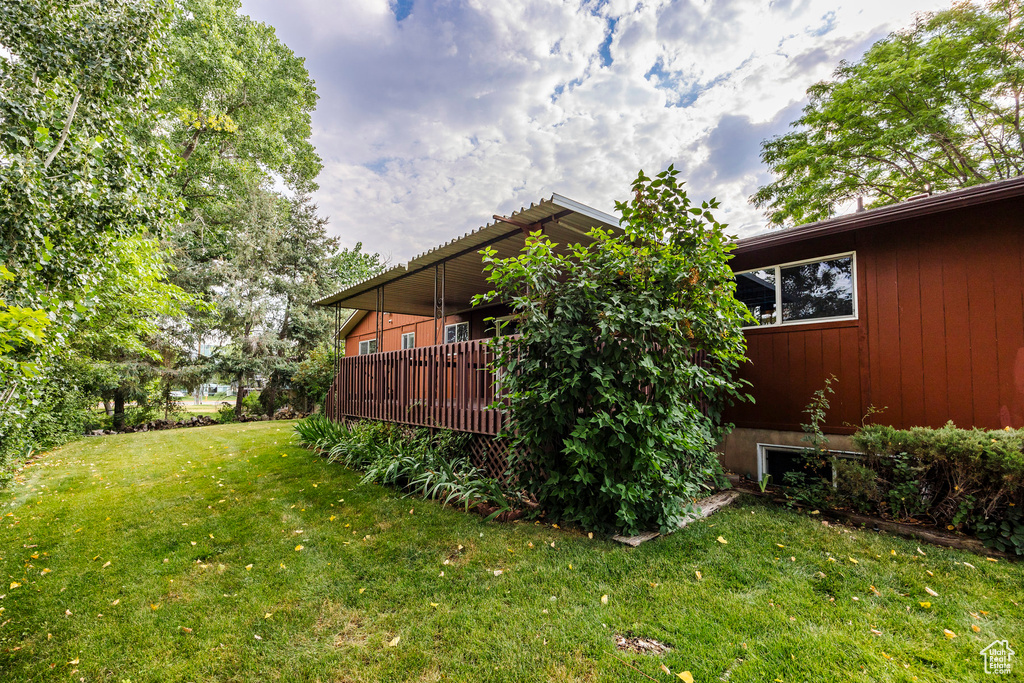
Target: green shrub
<point x="251" y="404"/>
<point x="971" y="479"/>
<point x="626" y="358"/>
<point x="225" y="414"/>
<point x="433" y="466"/>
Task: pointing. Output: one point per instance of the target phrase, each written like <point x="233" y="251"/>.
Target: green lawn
<point x="225" y="554"/>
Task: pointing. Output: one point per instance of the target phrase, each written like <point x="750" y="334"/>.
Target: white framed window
<point x="775" y="460"/>
<point x="813" y="290"/>
<point x="367" y="346"/>
<point x="456" y="332"/>
<point x="409" y="340"/>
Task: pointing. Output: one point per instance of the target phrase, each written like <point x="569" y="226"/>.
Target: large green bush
<point x="625" y="361"/>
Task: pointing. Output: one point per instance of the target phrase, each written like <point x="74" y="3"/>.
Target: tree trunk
<point x="118" y="409"/>
<point x="239" y="395"/>
<point x="268" y="398"/>
<point x="108" y="407"/>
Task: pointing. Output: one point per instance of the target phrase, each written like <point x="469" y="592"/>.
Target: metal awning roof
<point x="409" y="288"/>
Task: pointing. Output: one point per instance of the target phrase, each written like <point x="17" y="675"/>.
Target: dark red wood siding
<point x="939" y="334"/>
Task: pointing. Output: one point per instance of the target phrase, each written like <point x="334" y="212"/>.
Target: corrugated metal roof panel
<point x="577" y="219"/>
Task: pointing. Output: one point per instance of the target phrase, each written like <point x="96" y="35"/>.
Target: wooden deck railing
<point x="447" y="386"/>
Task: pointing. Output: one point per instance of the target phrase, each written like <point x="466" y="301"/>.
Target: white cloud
<point x="466" y="108"/>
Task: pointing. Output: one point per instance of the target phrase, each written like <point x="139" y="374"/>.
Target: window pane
<point x="823" y="289"/>
<point x="757" y="290"/>
<point x="456" y="332"/>
<point x="373" y="345"/>
<point x="409" y="340"/>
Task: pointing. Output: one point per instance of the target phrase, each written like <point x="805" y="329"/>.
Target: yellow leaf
<point x="780" y="545"/>
<point x="332" y="518"/>
<point x="949" y="634"/>
<point x="590" y="534"/>
<point x="193" y="542"/>
<point x="926" y="605"/>
<point x="74" y="661"/>
<point x="115" y="602"/>
<point x="14" y="584"/>
<point x="887" y="656"/>
<point x="248" y="567"/>
<point x="853" y="560"/>
<point x="991" y="559"/>
<point x="604" y="599"/>
<point x="267" y="615"/>
<point x="282" y="566"/>
<point x="394" y="641"/>
<point x="45" y="572"/>
<point x="211" y="535"/>
<point x="362" y="590"/>
<point x="155" y="606"/>
<point x="892" y="552"/>
<point x="721" y="540"/>
<point x="699" y="575"/>
<point x="685" y="676"/>
<point x="298" y="547"/>
<point x="570" y="566"/>
<point x="434" y="604"/>
<point x="975" y="628"/>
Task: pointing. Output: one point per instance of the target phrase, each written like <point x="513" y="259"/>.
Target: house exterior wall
<point x="397" y="324"/>
<point x="939" y="334"/>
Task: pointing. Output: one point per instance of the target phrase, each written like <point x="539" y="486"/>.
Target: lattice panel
<point x="491" y="455"/>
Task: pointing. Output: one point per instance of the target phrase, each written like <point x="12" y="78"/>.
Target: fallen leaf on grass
<point x="875" y="590"/>
<point x="257" y="637"/>
<point x="248" y="567"/>
<point x="434" y="604"/>
<point x="930" y="592"/>
<point x="115" y="603"/>
<point x="394" y="641"/>
<point x="921" y="551"/>
<point x="666" y="669"/>
<point x="154" y="606"/>
<point x="74" y="661"/>
<point x="949" y="634"/>
<point x="926" y="605"/>
<point x="853" y="560"/>
<point x="106" y="565"/>
<point x="298" y="548"/>
<point x="968" y="564"/>
<point x="193" y="542"/>
<point x="699" y="575"/>
<point x="975" y="628"/>
<point x="15" y="584"/>
<point x="186" y="629"/>
<point x="721" y="540"/>
<point x="991" y="559"/>
<point x="685" y="676"/>
<point x="362" y="590"/>
<point x="604" y="599"/>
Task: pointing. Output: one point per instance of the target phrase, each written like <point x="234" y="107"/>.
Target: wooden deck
<point x="447" y="386"/>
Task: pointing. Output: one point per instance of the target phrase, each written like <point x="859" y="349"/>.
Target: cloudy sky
<point x="434" y="115"/>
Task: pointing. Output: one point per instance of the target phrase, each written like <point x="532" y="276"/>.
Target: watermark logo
<point x="998" y="657"/>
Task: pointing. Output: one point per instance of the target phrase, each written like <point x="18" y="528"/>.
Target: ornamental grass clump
<point x="626" y="358"/>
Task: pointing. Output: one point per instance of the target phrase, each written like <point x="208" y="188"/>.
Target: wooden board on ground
<point x="705" y="507"/>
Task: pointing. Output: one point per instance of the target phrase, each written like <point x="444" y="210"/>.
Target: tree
<point x="625" y="362"/>
<point x="83" y="184"/>
<point x="931" y="108"/>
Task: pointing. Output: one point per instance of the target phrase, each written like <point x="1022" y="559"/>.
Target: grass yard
<point x="225" y="554"/>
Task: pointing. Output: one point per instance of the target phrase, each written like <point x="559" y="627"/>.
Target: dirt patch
<point x="343" y="627"/>
<point x="627" y="642"/>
